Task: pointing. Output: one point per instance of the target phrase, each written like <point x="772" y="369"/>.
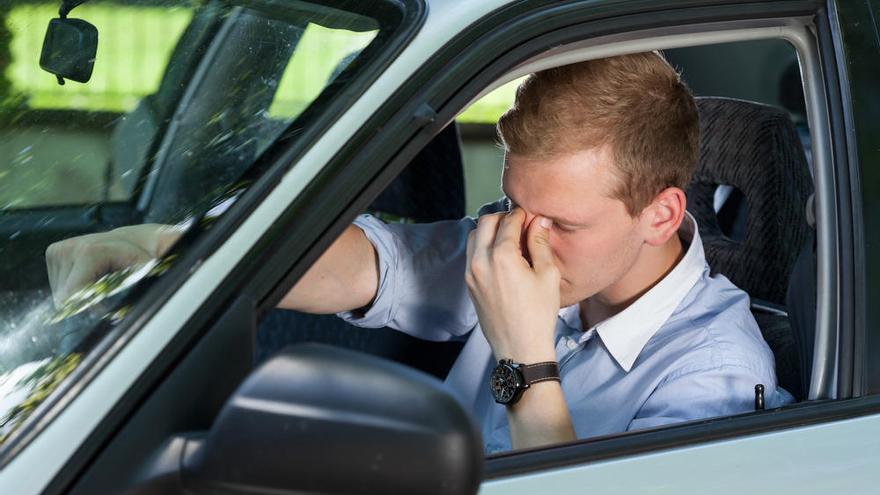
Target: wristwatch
<point x="509" y="379"/>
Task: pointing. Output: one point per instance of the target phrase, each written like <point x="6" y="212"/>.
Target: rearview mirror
<point x="69" y="49"/>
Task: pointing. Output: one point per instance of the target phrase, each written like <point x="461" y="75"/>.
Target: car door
<point x="729" y="456"/>
<point x="722" y="454"/>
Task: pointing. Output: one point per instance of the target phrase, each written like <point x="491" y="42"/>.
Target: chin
<point x="567" y="298"/>
<point x="565" y="302"/>
<point x="569" y="294"/>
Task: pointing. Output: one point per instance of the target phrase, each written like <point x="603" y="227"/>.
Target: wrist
<point x="509" y="379"/>
<point x="526" y="355"/>
<point x="154" y="239"/>
<point x="166" y="236"/>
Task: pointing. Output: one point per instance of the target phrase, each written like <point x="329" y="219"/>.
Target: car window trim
<point x="852" y="297"/>
<point x="819" y="411"/>
<point x="829" y="322"/>
<point x="680" y="435"/>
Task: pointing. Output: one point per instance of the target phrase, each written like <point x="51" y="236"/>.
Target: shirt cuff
<point x="381" y="311"/>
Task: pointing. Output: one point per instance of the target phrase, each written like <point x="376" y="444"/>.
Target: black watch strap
<point x="540" y="372"/>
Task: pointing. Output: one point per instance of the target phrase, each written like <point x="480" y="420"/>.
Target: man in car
<point x="584" y="297"/>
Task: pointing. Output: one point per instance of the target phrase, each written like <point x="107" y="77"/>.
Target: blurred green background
<point x="135" y="43"/>
<point x="54" y="144"/>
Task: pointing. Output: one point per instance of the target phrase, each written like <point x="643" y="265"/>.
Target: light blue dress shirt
<point x="687" y="349"/>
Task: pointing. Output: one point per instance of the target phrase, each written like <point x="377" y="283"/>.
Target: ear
<point x="661" y="219"/>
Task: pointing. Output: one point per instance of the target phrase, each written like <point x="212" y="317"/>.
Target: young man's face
<point x="594" y="239"/>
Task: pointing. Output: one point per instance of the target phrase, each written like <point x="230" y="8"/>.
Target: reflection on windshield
<point x="24" y="388"/>
<point x="175" y="147"/>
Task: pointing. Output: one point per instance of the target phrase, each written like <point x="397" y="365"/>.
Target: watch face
<point x="504" y="383"/>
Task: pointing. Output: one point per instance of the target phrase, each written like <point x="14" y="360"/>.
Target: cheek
<point x="584" y="256"/>
<point x="573" y="252"/>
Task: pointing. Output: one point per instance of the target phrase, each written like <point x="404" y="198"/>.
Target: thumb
<point x="539" y="244"/>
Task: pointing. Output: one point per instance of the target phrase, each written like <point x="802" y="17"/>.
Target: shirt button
<point x="571" y="343"/>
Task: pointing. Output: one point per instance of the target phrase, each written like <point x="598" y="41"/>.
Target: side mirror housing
<point x="69" y="49"/>
<point x="318" y="419"/>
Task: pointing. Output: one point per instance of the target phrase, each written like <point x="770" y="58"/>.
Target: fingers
<point x="479" y="244"/>
<point x="510" y="228"/>
<point x="471" y="244"/>
<point x="60" y="261"/>
<point x="74" y="263"/>
<point x="538" y="241"/>
<point x="82" y="273"/>
<point x="484" y="235"/>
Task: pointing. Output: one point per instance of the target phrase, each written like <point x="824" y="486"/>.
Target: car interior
<point x="751" y="196"/>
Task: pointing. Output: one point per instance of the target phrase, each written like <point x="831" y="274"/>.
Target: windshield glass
<point x="184" y="98"/>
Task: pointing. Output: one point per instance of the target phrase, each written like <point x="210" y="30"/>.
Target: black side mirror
<point x="319" y="419"/>
<point x="70" y="46"/>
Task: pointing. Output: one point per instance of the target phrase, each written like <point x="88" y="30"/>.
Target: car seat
<point x="754" y="238"/>
<point x="430" y="188"/>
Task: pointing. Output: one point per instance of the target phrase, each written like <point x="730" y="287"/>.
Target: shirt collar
<point x="626" y="333"/>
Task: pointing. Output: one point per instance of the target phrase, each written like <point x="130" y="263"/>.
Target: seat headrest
<point x="431" y="187"/>
<point x="755" y="149"/>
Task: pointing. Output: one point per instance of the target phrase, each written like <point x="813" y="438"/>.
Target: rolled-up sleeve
<point x="421" y="279"/>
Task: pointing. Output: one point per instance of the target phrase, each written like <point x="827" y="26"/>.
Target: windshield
<point x="184" y="99"/>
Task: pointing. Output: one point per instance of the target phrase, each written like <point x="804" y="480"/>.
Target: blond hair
<point x="636" y="104"/>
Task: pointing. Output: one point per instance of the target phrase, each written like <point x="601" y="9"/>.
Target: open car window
<point x="222" y="83"/>
<point x="757" y="82"/>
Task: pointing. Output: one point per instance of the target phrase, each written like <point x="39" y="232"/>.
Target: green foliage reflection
<point x="40" y="383"/>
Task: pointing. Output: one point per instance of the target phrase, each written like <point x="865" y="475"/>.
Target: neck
<point x="652" y="265"/>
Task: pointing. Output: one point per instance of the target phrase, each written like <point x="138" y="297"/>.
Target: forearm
<point x="344" y="278"/>
<point x="540" y="417"/>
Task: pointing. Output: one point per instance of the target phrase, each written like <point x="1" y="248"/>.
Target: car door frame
<point x="373" y="157"/>
<point x="415" y="113"/>
<point x="376" y="153"/>
<point x="838" y="244"/>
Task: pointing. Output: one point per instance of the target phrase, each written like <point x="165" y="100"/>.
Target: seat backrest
<point x="431" y="187"/>
<point x="801" y="305"/>
<point x="755" y="149"/>
<point x="755" y="238"/>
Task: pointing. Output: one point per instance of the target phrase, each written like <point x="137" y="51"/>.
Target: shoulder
<point x="415" y="238"/>
<point x="713" y="330"/>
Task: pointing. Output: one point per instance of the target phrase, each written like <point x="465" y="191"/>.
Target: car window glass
<point x="222" y="83"/>
<point x="61" y="145"/>
<point x="240" y="106"/>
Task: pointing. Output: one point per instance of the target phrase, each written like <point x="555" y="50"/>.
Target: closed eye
<point x="564" y="229"/>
